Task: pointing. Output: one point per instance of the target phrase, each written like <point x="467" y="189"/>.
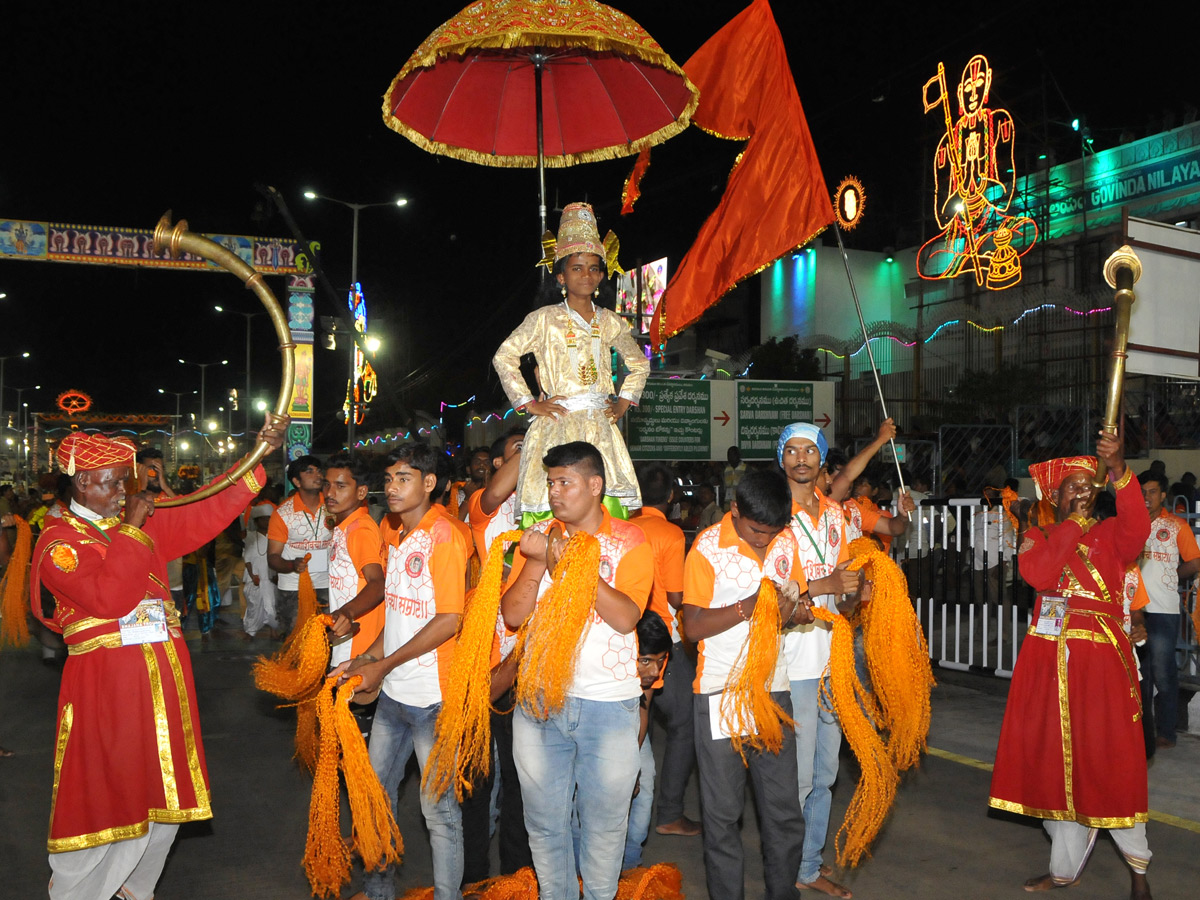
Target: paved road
<point x="940" y="842"/>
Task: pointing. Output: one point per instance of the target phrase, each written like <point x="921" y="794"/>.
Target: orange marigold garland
<point x="326" y="856"/>
<point x="661" y="881"/>
<point x="306" y="597"/>
<point x="307" y="741"/>
<point x="549" y="640"/>
<point x="852" y="704"/>
<point x="376" y="836"/>
<point x="748" y="711"/>
<point x="462" y="747"/>
<point x="897" y="655"/>
<point x="296" y="671"/>
<point x="14" y="605"/>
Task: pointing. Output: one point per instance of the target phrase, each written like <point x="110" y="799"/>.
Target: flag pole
<point x="867" y="344"/>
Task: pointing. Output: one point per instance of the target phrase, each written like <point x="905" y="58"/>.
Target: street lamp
<point x="175" y="426"/>
<point x="249" y="316"/>
<point x="23" y="419"/>
<point x="3" y="359"/>
<point x="203" y="367"/>
<point x="356" y="208"/>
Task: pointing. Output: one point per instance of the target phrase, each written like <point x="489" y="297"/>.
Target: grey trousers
<point x="723" y="799"/>
<point x="674" y="703"/>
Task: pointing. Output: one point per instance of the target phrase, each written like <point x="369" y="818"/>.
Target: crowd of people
<point x="667" y="631"/>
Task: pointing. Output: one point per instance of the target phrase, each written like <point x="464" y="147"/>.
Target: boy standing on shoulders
<point x="722" y="576"/>
<point x="423" y="593"/>
<point x="588" y="750"/>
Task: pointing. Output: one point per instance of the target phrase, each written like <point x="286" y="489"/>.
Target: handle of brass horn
<point x="177" y="240"/>
<point x="1121" y="271"/>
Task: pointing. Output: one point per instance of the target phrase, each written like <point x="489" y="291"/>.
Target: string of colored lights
<point x="986" y="329"/>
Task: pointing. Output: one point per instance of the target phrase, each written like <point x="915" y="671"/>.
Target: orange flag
<point x="776" y="197"/>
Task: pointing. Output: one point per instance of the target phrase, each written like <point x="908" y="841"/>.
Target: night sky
<point x="116" y="112"/>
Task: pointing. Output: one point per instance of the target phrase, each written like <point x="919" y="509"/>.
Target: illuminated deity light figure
<point x="974" y="179"/>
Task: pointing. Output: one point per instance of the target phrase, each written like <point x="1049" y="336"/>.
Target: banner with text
<point x="700" y="420"/>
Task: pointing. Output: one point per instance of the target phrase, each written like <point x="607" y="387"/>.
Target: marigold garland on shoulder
<point x="748" y="711"/>
<point x="549" y="640"/>
<point x="462" y="747"/>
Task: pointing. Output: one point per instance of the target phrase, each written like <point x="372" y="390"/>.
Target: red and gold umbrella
<point x="539" y="83"/>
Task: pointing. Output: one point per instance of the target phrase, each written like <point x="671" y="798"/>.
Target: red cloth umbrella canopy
<point x="471" y="89"/>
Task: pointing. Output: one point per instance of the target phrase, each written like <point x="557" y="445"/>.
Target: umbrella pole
<point x="867" y="343"/>
<point x="539" y="61"/>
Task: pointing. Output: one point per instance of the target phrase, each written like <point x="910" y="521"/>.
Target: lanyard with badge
<point x="811" y="539"/>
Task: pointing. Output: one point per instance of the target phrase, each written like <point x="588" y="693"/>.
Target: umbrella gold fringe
<point x="509" y="40"/>
<point x="616" y="151"/>
<point x="724" y="137"/>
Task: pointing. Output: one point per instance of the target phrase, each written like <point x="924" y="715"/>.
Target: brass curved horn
<point x="178" y="240"/>
<point x="1121" y="271"/>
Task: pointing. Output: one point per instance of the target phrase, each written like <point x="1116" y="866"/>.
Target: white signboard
<point x="1164" y="325"/>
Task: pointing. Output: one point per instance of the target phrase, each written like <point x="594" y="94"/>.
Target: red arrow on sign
<point x="724" y="418"/>
<point x="823" y="421"/>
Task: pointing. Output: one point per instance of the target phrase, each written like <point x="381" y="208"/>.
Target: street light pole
<point x="249" y="316"/>
<point x="175" y="426"/>
<point x="3" y="359"/>
<point x="23" y="420"/>
<point x="355" y="208"/>
<point x="203" y="367"/>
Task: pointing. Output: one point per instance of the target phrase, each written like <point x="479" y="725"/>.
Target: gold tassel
<point x="549" y="243"/>
<point x="462" y="746"/>
<point x="14" y="589"/>
<point x="612" y="246"/>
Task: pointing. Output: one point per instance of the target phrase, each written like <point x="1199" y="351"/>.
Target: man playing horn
<point x="1071" y="749"/>
<point x="128" y="761"/>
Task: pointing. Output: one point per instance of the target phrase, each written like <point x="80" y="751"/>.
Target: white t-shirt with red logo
<point x="302" y="531"/>
<point x="426" y="575"/>
<point x="720" y="570"/>
<point x="821" y="545"/>
<point x="606" y="666"/>
<point x="1171" y="542"/>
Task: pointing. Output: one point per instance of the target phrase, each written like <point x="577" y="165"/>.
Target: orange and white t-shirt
<point x="425" y="576"/>
<point x="722" y="569"/>
<point x="355" y="546"/>
<point x="606" y="665"/>
<point x="667" y="543"/>
<point x="302" y="530"/>
<point x="821" y="545"/>
<point x="1170" y="543"/>
<point x="485" y="528"/>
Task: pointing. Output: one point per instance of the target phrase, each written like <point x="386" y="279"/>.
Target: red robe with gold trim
<point x="128" y="748"/>
<point x="1071" y="746"/>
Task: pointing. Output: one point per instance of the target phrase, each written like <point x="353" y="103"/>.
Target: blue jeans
<point x="1162" y="633"/>
<point x="818" y="737"/>
<point x="588" y="752"/>
<point x="640" y="809"/>
<point x="398" y="729"/>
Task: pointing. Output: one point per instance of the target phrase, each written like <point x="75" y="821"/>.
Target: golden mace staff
<point x="1121" y="271"/>
<point x="177" y="240"/>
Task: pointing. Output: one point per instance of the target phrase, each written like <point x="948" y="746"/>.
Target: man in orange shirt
<point x="423" y="594"/>
<point x="298" y="529"/>
<point x="722" y="576"/>
<point x="355" y="572"/>
<point x="588" y="750"/>
<point x="675" y="699"/>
